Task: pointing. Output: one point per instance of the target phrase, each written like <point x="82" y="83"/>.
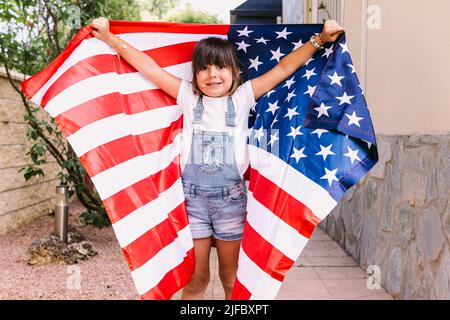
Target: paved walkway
<point x="324" y="271"/>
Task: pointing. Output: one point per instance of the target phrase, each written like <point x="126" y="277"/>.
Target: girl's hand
<point x="331" y="31"/>
<point x="102" y="28"/>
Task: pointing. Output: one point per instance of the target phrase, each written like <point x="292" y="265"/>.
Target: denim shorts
<point x="216" y="211"/>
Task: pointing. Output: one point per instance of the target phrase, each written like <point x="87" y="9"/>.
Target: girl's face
<point x="215" y="81"/>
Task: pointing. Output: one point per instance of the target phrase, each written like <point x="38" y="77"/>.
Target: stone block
<point x="443" y="173"/>
<point x="405" y="226"/>
<point x="394" y="272"/>
<point x="13" y="133"/>
<point x="14" y="155"/>
<point x="431" y="235"/>
<point x="368" y="240"/>
<point x="27" y="196"/>
<point x="11" y="110"/>
<point x="385" y="156"/>
<point x="26" y="215"/>
<point x="442" y="280"/>
<point x="13" y="179"/>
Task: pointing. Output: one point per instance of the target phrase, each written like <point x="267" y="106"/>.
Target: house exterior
<point x="397" y="220"/>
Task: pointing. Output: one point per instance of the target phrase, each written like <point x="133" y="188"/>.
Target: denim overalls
<point x="216" y="195"/>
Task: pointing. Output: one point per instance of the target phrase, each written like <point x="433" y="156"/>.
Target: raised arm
<point x="294" y="60"/>
<point x="139" y="60"/>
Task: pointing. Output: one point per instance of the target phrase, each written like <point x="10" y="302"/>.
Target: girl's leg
<point x="228" y="253"/>
<point x="195" y="289"/>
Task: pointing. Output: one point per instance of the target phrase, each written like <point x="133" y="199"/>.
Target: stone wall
<point x="20" y="201"/>
<point x="398" y="217"/>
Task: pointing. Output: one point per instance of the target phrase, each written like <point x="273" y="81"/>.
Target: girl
<point x="216" y="107"/>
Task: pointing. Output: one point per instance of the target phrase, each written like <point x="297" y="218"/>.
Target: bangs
<point x="213" y="51"/>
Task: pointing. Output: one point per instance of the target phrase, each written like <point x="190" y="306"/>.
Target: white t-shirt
<point x="214" y="119"/>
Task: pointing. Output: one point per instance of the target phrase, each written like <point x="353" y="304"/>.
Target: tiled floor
<point x="323" y="271"/>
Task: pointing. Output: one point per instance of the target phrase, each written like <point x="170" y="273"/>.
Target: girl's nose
<point x="213" y="72"/>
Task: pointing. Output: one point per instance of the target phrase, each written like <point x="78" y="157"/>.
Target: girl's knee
<point x="227" y="278"/>
<point x="198" y="284"/>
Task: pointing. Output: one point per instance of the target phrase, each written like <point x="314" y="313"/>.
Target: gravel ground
<point x="102" y="277"/>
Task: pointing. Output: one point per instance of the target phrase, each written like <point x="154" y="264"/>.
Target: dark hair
<point x="219" y="52"/>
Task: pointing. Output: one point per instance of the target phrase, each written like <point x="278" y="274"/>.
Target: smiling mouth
<point x="213" y="84"/>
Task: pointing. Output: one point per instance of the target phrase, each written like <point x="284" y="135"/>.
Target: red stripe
<point x="264" y="254"/>
<point x="120" y="150"/>
<point x="119" y="26"/>
<point x="240" y="292"/>
<point x="107" y="63"/>
<point x="155" y="239"/>
<point x="282" y="204"/>
<point x="175" y="279"/>
<point x="93" y="110"/>
<point x="142" y="192"/>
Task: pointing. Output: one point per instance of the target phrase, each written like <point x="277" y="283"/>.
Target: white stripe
<point x="277" y="232"/>
<point x="107" y="83"/>
<point x="300" y="187"/>
<point x="115" y="127"/>
<point x="119" y="177"/>
<point x="93" y="46"/>
<point x="138" y="222"/>
<point x="259" y="283"/>
<point x="151" y="273"/>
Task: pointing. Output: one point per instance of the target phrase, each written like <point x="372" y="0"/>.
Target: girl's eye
<point x="203" y="68"/>
<point x="220" y="67"/>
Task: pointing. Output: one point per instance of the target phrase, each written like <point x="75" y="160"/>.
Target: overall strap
<point x="231" y="113"/>
<point x="198" y="111"/>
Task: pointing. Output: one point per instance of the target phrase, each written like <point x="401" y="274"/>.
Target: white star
<point x="273" y="107"/>
<point x="353" y="119"/>
<point x="325" y="151"/>
<point x="262" y="40"/>
<point x="283" y="34"/>
<point x="277" y="54"/>
<point x="294" y="132"/>
<point x="307" y="62"/>
<point x="298" y="154"/>
<point x="274" y="138"/>
<point x="269" y="93"/>
<point x="335" y="78"/>
<point x="328" y="51"/>
<point x="289" y="83"/>
<point x="319" y="132"/>
<point x="242" y="46"/>
<point x="310" y="91"/>
<point x="309" y="73"/>
<point x="352" y="154"/>
<point x="255" y="63"/>
<point x="322" y="110"/>
<point x="259" y="134"/>
<point x="297" y="44"/>
<point x="345" y="99"/>
<point x="330" y="176"/>
<point x="353" y="68"/>
<point x="244" y="32"/>
<point x="344" y="47"/>
<point x="290" y="95"/>
<point x="291" y="112"/>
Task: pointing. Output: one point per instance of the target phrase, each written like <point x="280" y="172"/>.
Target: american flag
<point x="310" y="139"/>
